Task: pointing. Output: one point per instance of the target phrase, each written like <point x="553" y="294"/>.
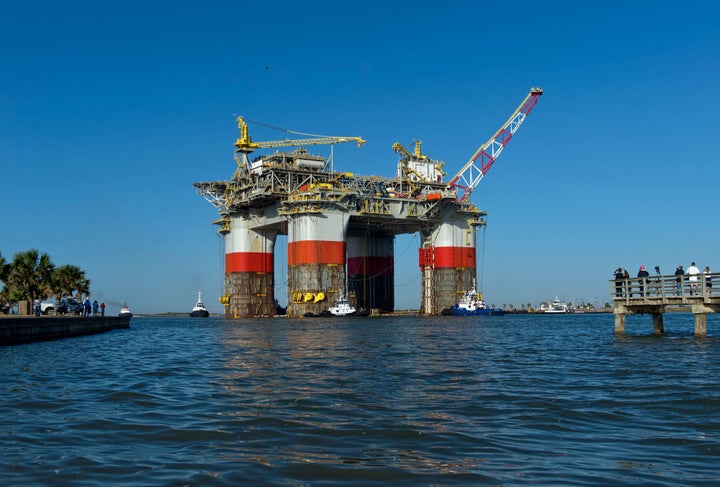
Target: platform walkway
<point x="656" y="294"/>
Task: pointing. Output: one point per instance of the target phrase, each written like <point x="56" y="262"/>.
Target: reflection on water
<point x="404" y="400"/>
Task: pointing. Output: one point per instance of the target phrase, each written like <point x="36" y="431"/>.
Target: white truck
<point x="48" y="308"/>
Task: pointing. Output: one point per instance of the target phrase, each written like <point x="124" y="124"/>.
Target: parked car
<point x="69" y="306"/>
<point x="48" y="308"/>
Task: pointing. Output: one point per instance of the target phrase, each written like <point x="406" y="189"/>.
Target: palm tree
<point x="3" y="268"/>
<point x="30" y="275"/>
<point x="69" y="278"/>
<point x="4" y="291"/>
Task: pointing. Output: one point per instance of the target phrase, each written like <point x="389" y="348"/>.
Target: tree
<point x="69" y="278"/>
<point x="4" y="268"/>
<point x="30" y="275"/>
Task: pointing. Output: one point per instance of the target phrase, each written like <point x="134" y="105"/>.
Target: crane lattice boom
<point x="473" y="171"/>
<point x="245" y="143"/>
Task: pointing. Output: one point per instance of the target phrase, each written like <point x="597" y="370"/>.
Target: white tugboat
<point x="199" y="310"/>
<point x="342" y="308"/>
<point x="125" y="311"/>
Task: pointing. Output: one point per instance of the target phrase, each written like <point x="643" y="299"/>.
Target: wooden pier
<point x="654" y="295"/>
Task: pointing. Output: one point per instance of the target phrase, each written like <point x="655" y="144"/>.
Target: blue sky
<point x="109" y="113"/>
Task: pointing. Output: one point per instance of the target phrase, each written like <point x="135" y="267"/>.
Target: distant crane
<point x="473" y="171"/>
<point x="245" y="145"/>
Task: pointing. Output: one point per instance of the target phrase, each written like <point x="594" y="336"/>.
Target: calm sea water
<point x="513" y="400"/>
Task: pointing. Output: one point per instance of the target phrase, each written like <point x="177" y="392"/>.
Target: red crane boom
<point x="473" y="171"/>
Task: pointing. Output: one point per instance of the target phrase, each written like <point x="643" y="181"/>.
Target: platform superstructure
<point x="341" y="227"/>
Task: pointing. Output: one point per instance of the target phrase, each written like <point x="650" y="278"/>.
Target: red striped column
<point x="249" y="273"/>
<point x="447" y="262"/>
<point x="371" y="270"/>
<point x="316" y="261"/>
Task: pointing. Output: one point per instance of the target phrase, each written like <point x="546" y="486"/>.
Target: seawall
<point x="15" y="330"/>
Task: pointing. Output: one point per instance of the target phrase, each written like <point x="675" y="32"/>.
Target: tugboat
<point x="125" y="311"/>
<point x="472" y="304"/>
<point x="199" y="310"/>
<point x="342" y="308"/>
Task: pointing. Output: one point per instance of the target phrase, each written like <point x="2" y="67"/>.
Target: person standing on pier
<point x="642" y="273"/>
<point x="679" y="272"/>
<point x="693" y="272"/>
<point x="619" y="275"/>
<point x="708" y="281"/>
<point x="628" y="290"/>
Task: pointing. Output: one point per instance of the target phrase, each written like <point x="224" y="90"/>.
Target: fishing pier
<point x="657" y="294"/>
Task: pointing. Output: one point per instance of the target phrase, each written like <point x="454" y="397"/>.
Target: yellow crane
<point x="399" y="148"/>
<point x="410" y="162"/>
<point x="245" y="145"/>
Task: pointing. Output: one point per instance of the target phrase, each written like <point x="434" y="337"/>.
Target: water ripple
<point x="510" y="400"/>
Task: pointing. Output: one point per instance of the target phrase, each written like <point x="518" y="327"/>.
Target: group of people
<point x="621" y="276"/>
<point x="93" y="308"/>
<point x="693" y="274"/>
<point x="89" y="309"/>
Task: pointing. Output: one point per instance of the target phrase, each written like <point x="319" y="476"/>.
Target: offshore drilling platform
<point x="341" y="227"/>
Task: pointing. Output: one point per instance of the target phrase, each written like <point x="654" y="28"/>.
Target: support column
<point x="700" y="312"/>
<point x="249" y="272"/>
<point x="447" y="262"/>
<point x="700" y="324"/>
<point x="620" y="313"/>
<point x="658" y="326"/>
<point x="371" y="271"/>
<point x="316" y="261"/>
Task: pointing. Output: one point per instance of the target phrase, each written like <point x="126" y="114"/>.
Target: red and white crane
<point x="473" y="171"/>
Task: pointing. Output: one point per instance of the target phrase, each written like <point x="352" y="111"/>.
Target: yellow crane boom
<point x="246" y="145"/>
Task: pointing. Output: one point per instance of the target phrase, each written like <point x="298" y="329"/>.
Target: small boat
<point x="556" y="306"/>
<point x="472" y="304"/>
<point x="125" y="311"/>
<point x="342" y="308"/>
<point x="199" y="310"/>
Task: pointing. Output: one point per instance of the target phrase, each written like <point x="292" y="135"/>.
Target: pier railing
<point x="654" y="294"/>
<point x="678" y="290"/>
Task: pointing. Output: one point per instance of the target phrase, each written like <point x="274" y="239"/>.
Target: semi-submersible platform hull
<point x="341" y="227"/>
<point x="341" y="231"/>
